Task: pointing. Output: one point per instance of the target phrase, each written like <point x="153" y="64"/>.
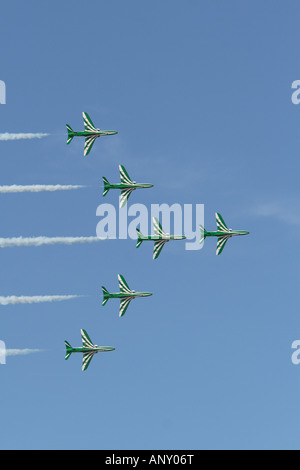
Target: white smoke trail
<point x="37" y="188"/>
<point x="13" y="299"/>
<point x="18" y="352"/>
<point x="8" y="136"/>
<point x="39" y="241"/>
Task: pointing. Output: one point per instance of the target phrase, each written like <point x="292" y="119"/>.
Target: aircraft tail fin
<point x="105" y="296"/>
<point x="106" y="186"/>
<point x="70" y="134"/>
<point x="68" y="350"/>
<point x="140" y="238"/>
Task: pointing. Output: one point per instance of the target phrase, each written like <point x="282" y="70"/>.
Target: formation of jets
<point x="160" y="238"/>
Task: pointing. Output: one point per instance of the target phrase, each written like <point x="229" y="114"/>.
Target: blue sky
<point x="201" y="97"/>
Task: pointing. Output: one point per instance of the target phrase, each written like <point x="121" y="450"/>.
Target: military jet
<point x="91" y="133"/>
<point x="88" y="350"/>
<point x="223" y="233"/>
<point x="126" y="295"/>
<point x="160" y="238"/>
<point x="126" y="186"/>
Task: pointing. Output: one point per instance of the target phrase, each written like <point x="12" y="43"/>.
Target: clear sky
<point x="200" y="93"/>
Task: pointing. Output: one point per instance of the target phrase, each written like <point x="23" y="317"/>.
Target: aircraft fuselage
<point x="226" y="234"/>
<point x="91" y="134"/>
<point x="156" y="238"/>
<point x="132" y="295"/>
<point x="132" y="186"/>
<point x="94" y="350"/>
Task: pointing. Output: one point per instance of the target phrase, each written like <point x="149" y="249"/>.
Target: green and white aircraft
<point x="126" y="186"/>
<point x="91" y="133"/>
<point x="223" y="233"/>
<point x="89" y="350"/>
<point x="160" y="238"/>
<point x="126" y="295"/>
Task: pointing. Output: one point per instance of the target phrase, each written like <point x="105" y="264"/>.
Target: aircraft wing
<point x="88" y="124"/>
<point x="89" y="142"/>
<point x="124" y="176"/>
<point x="158" y="230"/>
<point x="86" y="340"/>
<point x="221" y="244"/>
<point x="158" y="246"/>
<point x="124" y="287"/>
<point x="125" y="193"/>
<point x="86" y="360"/>
<point x="124" y="304"/>
<point x="221" y="223"/>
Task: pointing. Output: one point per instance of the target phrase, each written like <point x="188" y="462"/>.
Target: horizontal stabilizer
<point x="105" y="296"/>
<point x="70" y="134"/>
<point x="140" y="238"/>
<point x="203" y="234"/>
<point x="106" y="186"/>
<point x="68" y="350"/>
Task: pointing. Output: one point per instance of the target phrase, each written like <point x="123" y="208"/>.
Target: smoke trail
<point x="8" y="136"/>
<point x="39" y="241"/>
<point x="18" y="352"/>
<point x="37" y="188"/>
<point x="13" y="300"/>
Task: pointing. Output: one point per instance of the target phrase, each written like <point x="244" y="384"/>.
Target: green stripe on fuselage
<point x="132" y="186"/>
<point x="226" y="234"/>
<point x="91" y="134"/>
<point x="132" y="295"/>
<point x="90" y="350"/>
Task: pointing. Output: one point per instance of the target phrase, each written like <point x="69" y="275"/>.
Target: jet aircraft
<point x="223" y="233"/>
<point x="89" y="350"/>
<point x="126" y="295"/>
<point x="160" y="238"/>
<point x="126" y="186"/>
<point x="91" y="133"/>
